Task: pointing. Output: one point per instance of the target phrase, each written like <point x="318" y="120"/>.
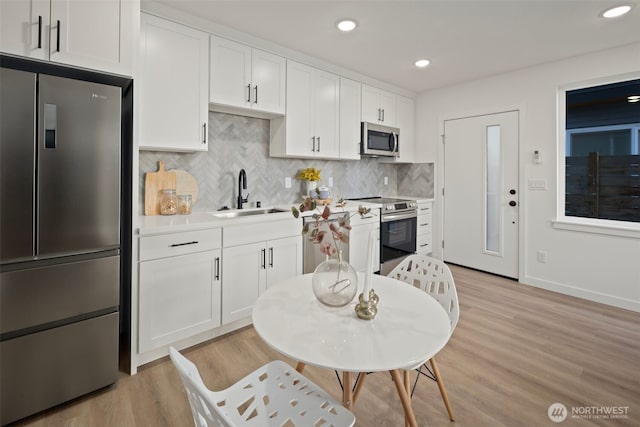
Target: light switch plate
<point x="287" y="182"/>
<point x="537" y="184"/>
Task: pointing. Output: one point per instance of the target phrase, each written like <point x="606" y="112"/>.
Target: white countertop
<point x="198" y="220"/>
<point x="350" y="206"/>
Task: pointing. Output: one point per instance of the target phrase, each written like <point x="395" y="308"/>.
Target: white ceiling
<point x="464" y="40"/>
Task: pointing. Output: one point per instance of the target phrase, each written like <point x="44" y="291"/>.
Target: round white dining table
<point x="410" y="328"/>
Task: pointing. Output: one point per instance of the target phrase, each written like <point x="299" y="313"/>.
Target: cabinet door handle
<point x="58" y="37"/>
<point x="313" y="149"/>
<point x="204" y="133"/>
<point x="379" y="114"/>
<point x="217" y="275"/>
<point x="318" y="144"/>
<point x="249" y="92"/>
<point x="383" y="114"/>
<point x="271" y="257"/>
<point x="264" y="258"/>
<point x="174" y="245"/>
<point x="424" y="209"/>
<point x="255" y="99"/>
<point x="424" y="225"/>
<point x="40" y="32"/>
<point x="423" y="245"/>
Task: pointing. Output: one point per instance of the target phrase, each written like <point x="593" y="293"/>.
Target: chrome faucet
<point x="242" y="183"/>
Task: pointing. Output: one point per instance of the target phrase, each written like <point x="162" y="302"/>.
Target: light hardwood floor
<point x="516" y="350"/>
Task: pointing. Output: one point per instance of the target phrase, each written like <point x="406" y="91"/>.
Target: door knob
<point x="512" y="191"/>
<point x="512" y="203"/>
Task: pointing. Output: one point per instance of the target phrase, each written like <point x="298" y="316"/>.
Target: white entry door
<point x="481" y="195"/>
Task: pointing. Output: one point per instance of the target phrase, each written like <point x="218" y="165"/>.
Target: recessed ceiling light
<point x="633" y="98"/>
<point x="346" y="25"/>
<point x="421" y="63"/>
<point x="614" y="12"/>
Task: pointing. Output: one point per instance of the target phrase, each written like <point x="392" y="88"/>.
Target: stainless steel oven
<point x="398" y="230"/>
<point x="397" y="235"/>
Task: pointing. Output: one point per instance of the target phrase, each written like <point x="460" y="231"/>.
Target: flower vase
<point x="335" y="282"/>
<point x="312" y="189"/>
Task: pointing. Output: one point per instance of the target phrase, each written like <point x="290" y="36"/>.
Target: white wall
<point x="598" y="267"/>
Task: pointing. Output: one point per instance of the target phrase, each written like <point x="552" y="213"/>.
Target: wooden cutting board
<point x="154" y="183"/>
<point x="186" y="184"/>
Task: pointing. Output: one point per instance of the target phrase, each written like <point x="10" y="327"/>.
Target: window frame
<point x="574" y="223"/>
<point x="633" y="128"/>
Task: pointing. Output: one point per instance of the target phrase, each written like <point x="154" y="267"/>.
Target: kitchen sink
<point x="248" y="212"/>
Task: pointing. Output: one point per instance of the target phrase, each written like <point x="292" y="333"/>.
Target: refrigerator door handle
<point x="50" y="125"/>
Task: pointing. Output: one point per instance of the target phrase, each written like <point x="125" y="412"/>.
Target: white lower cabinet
<point x="361" y="227"/>
<point x="179" y="287"/>
<point x="249" y="269"/>
<point x="424" y="231"/>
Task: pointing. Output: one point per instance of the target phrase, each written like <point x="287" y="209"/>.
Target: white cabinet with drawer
<point x="423" y="233"/>
<point x="179" y="287"/>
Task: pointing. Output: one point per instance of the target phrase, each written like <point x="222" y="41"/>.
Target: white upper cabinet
<point x="350" y="114"/>
<point x="378" y="106"/>
<point x="24" y="28"/>
<point x="406" y="123"/>
<point x="268" y="77"/>
<point x="90" y="34"/>
<point x="247" y="79"/>
<point x="173" y="84"/>
<point x="311" y="128"/>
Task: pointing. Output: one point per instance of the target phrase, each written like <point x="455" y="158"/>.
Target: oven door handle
<point x="398" y="216"/>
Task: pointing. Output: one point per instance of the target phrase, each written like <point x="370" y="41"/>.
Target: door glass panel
<point x="493" y="167"/>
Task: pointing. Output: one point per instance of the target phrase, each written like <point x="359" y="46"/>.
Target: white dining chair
<point x="273" y="395"/>
<point x="434" y="277"/>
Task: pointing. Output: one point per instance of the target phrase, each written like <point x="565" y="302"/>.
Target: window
<point x="602" y="152"/>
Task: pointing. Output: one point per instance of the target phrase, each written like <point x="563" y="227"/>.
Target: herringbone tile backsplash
<point x="237" y="142"/>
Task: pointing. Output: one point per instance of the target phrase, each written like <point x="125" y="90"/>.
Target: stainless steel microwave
<point x="379" y="140"/>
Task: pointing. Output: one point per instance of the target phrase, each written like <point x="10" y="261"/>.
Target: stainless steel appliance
<point x="311" y="255"/>
<point x="398" y="230"/>
<point x="379" y="141"/>
<point x="60" y="236"/>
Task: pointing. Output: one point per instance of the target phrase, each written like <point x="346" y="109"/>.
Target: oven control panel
<point x="399" y="206"/>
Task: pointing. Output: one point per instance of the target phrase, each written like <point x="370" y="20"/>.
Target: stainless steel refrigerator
<point x="60" y="142"/>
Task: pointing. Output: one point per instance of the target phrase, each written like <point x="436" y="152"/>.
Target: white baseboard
<point x="144" y="358"/>
<point x="582" y="293"/>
